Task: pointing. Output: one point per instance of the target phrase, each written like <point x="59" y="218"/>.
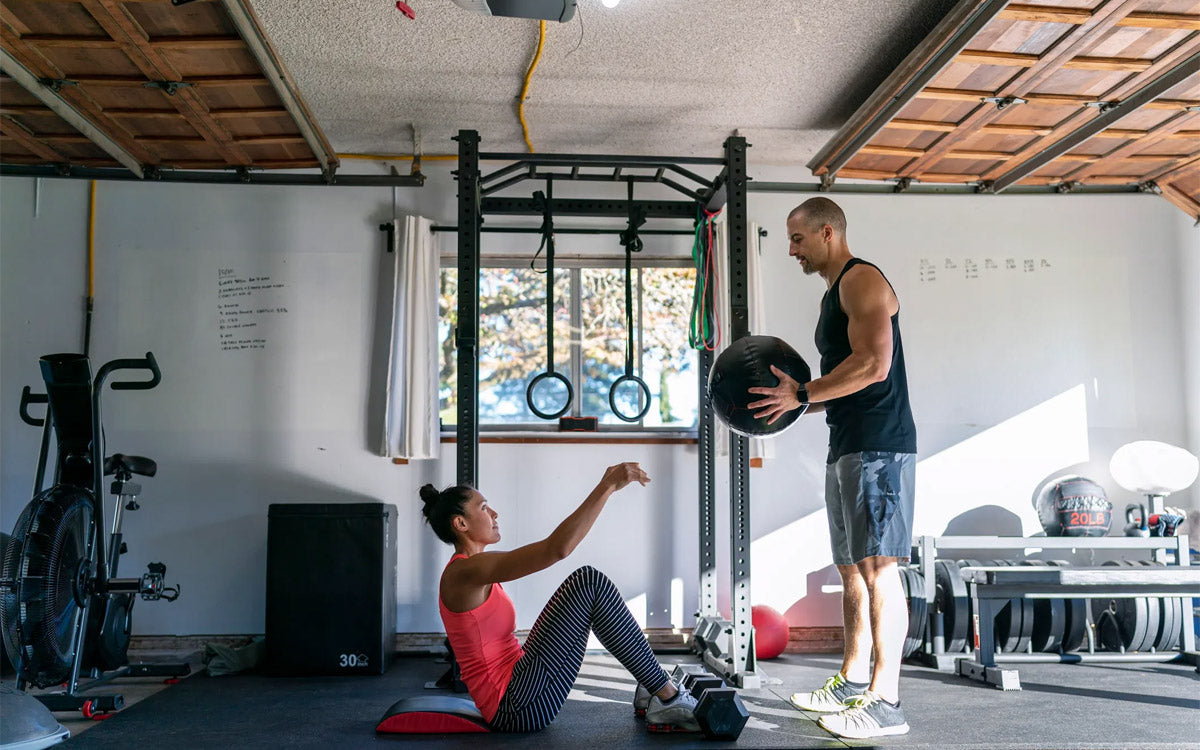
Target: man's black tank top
<point x="878" y="417"/>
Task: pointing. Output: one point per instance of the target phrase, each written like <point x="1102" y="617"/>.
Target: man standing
<point x="870" y="471"/>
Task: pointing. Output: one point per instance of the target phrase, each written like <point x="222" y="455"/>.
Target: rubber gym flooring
<point x="1060" y="706"/>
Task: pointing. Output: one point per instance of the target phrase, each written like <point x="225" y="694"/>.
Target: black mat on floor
<point x="1060" y="706"/>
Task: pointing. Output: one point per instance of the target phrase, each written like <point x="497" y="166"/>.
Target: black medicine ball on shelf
<point x="1073" y="506"/>
<point x="747" y="364"/>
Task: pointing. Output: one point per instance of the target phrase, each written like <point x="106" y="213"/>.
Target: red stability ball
<point x="770" y="632"/>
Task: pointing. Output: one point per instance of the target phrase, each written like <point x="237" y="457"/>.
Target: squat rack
<point x="726" y="646"/>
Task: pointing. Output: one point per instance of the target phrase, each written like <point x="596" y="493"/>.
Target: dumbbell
<point x="719" y="709"/>
<point x="681" y="671"/>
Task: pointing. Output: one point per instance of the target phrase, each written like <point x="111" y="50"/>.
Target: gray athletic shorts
<point x="869" y="500"/>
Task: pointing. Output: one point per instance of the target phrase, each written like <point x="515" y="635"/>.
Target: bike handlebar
<point x="29" y="397"/>
<point x="147" y="363"/>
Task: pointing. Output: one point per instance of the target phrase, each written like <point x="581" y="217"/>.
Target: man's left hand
<point x="779" y="399"/>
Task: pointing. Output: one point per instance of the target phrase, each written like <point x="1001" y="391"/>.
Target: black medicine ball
<point x="747" y="364"/>
<point x="1074" y="506"/>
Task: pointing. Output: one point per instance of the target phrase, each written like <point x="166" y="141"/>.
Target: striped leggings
<point x="542" y="677"/>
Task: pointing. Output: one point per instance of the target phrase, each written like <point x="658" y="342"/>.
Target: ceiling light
<point x="609" y="3"/>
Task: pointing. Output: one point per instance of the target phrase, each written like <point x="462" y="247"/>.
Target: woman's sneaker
<point x="830" y="697"/>
<point x="866" y="716"/>
<point x="641" y="700"/>
<point x="675" y="715"/>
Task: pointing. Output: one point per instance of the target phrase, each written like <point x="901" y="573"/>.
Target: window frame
<point x="575" y="264"/>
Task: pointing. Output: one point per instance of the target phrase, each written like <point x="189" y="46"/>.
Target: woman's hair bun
<point x="429" y="494"/>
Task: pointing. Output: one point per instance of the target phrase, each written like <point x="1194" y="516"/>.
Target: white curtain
<point x="759" y="448"/>
<point x="411" y="418"/>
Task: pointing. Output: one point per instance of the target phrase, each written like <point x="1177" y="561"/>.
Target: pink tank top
<point x="484" y="646"/>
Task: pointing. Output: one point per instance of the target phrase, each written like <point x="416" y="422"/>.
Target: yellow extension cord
<point x="525" y="88"/>
<point x="537" y="56"/>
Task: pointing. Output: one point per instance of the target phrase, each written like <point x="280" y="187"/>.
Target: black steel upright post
<point x="741" y="645"/>
<point x="466" y="335"/>
<point x="706" y="438"/>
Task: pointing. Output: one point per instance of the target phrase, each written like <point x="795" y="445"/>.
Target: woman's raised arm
<point x="497" y="567"/>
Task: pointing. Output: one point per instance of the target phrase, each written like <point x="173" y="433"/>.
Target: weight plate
<point x="1120" y="623"/>
<point x="922" y="607"/>
<point x="1049" y="621"/>
<point x="1025" y="608"/>
<point x="1075" y="617"/>
<point x="1008" y="623"/>
<point x="1174" y="636"/>
<point x="915" y="596"/>
<point x="1153" y="616"/>
<point x="1171" y="616"/>
<point x="952" y="603"/>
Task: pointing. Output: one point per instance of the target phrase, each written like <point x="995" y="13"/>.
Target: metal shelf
<point x="933" y="653"/>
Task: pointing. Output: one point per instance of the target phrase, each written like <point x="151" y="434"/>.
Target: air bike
<point x="63" y="610"/>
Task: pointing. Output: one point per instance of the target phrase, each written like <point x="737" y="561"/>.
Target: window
<point x="589" y="347"/>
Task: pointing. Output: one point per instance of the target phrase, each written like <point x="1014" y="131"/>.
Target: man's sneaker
<point x="831" y="697"/>
<point x="676" y="715"/>
<point x="867" y="716"/>
<point x="641" y="700"/>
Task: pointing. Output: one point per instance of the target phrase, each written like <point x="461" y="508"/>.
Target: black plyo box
<point x="331" y="588"/>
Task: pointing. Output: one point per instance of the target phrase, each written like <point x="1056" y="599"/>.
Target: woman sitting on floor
<point x="522" y="689"/>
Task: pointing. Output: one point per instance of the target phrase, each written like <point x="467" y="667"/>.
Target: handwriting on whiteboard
<point x="245" y="304"/>
<point x="929" y="269"/>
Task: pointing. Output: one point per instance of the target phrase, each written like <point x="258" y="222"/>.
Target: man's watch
<point x="802" y="395"/>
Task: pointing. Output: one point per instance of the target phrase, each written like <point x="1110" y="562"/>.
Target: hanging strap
<point x="543" y="200"/>
<point x="548" y="244"/>
<point x="633" y="244"/>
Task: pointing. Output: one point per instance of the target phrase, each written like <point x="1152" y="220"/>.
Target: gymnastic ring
<point x="612" y="398"/>
<point x="553" y="376"/>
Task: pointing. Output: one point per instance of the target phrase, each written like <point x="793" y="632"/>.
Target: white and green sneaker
<point x="866" y="716"/>
<point x="831" y="697"/>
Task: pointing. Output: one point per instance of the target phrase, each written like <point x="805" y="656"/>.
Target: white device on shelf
<point x="1153" y="469"/>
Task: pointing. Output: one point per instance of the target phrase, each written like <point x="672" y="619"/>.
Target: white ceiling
<point x="659" y="77"/>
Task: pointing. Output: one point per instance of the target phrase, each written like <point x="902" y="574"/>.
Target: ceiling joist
<point x="1175" y="59"/>
<point x="1077" y="40"/>
<point x="135" y="43"/>
<point x="1042" y="99"/>
<point x="947" y="40"/>
<point x="1019" y="105"/>
<point x="1128" y="152"/>
<point x="1053" y="14"/>
<point x="77" y="111"/>
<point x="248" y="26"/>
<point x="1022" y="60"/>
<point x="115" y="72"/>
<point x="1152" y="90"/>
<point x="79" y="41"/>
<point x="10" y="128"/>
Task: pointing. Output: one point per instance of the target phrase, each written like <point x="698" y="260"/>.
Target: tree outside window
<point x="591" y="334"/>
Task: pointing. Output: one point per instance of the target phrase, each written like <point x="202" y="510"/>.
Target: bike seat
<point x="130" y="464"/>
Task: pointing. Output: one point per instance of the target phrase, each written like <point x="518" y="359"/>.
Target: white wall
<point x="1015" y="376"/>
<point x="1188" y="243"/>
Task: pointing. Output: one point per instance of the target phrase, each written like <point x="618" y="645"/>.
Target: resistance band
<point x="704" y="329"/>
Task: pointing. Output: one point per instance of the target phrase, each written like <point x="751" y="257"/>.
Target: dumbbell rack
<point x="933" y="651"/>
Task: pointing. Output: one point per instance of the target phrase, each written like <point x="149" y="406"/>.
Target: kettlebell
<point x="1136" y="520"/>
